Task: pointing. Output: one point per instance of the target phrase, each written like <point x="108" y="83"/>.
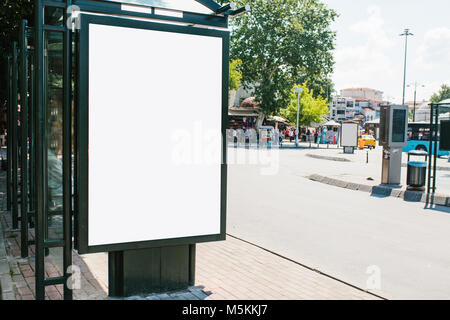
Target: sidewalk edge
<point x="340" y="159"/>
<point x="386" y="191"/>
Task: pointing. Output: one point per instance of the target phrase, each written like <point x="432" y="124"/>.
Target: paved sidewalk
<point x="234" y="269"/>
<point x="231" y="269"/>
<point x="21" y="270"/>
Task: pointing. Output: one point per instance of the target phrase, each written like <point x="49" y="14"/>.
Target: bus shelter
<point x="439" y="138"/>
<point x="86" y="70"/>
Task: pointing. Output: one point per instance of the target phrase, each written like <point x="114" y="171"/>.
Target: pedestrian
<point x="316" y="135"/>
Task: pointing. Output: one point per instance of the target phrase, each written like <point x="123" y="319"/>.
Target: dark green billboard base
<point x="145" y="271"/>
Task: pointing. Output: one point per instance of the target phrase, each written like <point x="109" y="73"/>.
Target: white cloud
<point x="373" y="28"/>
<point x="370" y="52"/>
<point x="366" y="63"/>
<point x="435" y="49"/>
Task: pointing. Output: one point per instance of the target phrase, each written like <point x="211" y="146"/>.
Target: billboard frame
<point x="344" y="123"/>
<point x="83" y="135"/>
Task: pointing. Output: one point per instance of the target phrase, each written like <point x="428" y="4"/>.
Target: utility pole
<point x="415" y="91"/>
<point x="406" y="33"/>
<point x="298" y="90"/>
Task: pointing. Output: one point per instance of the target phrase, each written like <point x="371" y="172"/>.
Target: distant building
<point x="342" y="108"/>
<point x="365" y="98"/>
<point x="366" y="93"/>
<point x="369" y="114"/>
<point x="346" y="108"/>
<point x="238" y="96"/>
<point x="245" y="116"/>
<point x="422" y="111"/>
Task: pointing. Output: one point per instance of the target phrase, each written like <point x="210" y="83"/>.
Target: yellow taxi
<point x="367" y="140"/>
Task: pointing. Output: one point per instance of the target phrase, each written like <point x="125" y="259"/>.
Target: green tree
<point x="444" y="93"/>
<point x="12" y="12"/>
<point x="312" y="109"/>
<point x="235" y="74"/>
<point x="280" y="43"/>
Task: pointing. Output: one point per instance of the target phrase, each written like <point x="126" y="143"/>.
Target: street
<point x="340" y="232"/>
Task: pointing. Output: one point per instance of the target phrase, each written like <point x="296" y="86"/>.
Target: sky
<point x="370" y="51"/>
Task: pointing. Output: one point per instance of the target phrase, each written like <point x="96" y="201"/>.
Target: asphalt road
<point x="341" y="232"/>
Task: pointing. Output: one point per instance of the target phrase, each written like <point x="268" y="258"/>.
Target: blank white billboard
<point x="155" y="117"/>
<point x="349" y="135"/>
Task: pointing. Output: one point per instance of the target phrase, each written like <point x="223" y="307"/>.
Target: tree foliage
<point x="444" y="93"/>
<point x="235" y="74"/>
<point x="12" y="12"/>
<point x="312" y="109"/>
<point x="280" y="43"/>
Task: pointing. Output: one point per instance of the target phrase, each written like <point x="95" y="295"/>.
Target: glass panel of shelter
<point x="54" y="70"/>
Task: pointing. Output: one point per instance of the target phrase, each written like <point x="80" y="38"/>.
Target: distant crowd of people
<point x="272" y="135"/>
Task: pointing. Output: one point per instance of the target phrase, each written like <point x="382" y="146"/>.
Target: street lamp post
<point x="415" y="91"/>
<point x="406" y="33"/>
<point x="298" y="91"/>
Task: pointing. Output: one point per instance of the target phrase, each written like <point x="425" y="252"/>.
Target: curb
<point x="404" y="165"/>
<point x="6" y="288"/>
<point x="385" y="191"/>
<point x="315" y="156"/>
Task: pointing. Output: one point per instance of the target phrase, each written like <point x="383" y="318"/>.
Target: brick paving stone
<point x="24" y="291"/>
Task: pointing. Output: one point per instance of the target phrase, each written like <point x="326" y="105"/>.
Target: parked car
<point x="368" y="140"/>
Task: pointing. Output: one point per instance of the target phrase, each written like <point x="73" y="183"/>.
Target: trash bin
<point x="416" y="174"/>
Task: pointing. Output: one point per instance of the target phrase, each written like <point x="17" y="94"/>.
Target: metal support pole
<point x="14" y="139"/>
<point x="406" y="34"/>
<point x="404" y="69"/>
<point x="75" y="140"/>
<point x="430" y="146"/>
<point x="9" y="135"/>
<point x="298" y="90"/>
<point x="41" y="186"/>
<point x="435" y="153"/>
<point x="67" y="157"/>
<point x="31" y="130"/>
<point x="298" y="112"/>
<point x="24" y="140"/>
<point x="414" y="110"/>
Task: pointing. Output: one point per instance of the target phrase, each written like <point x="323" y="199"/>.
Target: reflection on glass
<point x="54" y="16"/>
<point x="54" y="129"/>
<point x="183" y="5"/>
